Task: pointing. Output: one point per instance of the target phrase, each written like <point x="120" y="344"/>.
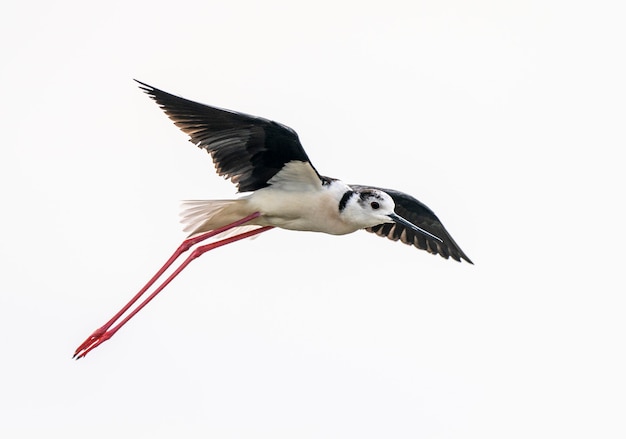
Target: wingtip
<point x="145" y="87"/>
<point x="461" y="256"/>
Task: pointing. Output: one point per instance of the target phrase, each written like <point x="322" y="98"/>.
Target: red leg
<point x="102" y="334"/>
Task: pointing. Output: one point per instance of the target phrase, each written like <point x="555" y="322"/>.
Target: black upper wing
<point x="246" y="149"/>
<point x="419" y="214"/>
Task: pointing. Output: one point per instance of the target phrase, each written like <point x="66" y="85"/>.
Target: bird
<point x="266" y="160"/>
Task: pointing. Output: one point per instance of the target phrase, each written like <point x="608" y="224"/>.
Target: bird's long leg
<point x="103" y="333"/>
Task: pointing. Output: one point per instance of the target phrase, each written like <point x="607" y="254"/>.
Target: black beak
<point x="398" y="219"/>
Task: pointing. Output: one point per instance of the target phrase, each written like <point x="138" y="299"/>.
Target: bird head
<point x="370" y="207"/>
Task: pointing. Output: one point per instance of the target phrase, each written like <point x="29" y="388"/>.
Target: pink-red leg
<point x="103" y="333"/>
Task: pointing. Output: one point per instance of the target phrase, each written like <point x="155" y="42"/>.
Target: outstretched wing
<point x="419" y="214"/>
<point x="246" y="149"/>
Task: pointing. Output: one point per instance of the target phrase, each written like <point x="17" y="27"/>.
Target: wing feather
<point x="246" y="149"/>
<point x="419" y="214"/>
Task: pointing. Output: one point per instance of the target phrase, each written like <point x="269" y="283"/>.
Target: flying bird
<point x="266" y="160"/>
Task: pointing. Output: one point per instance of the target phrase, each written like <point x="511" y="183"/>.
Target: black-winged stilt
<point x="266" y="159"/>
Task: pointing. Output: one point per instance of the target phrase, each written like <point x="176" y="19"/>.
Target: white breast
<point x="315" y="210"/>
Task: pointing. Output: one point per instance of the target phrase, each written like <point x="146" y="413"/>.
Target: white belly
<point x="316" y="210"/>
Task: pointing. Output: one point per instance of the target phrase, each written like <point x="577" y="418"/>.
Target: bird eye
<point x="374" y="205"/>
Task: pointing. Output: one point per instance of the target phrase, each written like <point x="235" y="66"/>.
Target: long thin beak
<point x="398" y="219"/>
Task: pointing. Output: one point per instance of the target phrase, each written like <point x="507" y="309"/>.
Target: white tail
<point x="199" y="216"/>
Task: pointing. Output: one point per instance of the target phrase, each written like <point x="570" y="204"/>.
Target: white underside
<point x="295" y="200"/>
<point x="315" y="211"/>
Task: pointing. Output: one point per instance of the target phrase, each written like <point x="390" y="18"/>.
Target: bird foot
<point x="98" y="337"/>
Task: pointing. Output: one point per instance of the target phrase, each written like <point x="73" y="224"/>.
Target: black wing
<point x="246" y="149"/>
<point x="419" y="214"/>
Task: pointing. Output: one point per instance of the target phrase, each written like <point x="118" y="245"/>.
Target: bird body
<point x="315" y="210"/>
<point x="306" y="207"/>
<point x="266" y="160"/>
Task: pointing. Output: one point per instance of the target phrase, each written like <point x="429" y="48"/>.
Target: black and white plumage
<point x="266" y="158"/>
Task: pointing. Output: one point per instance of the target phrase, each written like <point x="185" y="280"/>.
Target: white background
<point x="506" y="118"/>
